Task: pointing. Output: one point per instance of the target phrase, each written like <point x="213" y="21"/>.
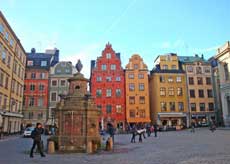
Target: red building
<point x="107" y="85"/>
<point x="36" y="86"/>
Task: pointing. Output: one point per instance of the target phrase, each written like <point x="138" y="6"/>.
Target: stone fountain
<point x="77" y="116"/>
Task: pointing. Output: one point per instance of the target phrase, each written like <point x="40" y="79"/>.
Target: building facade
<point x="59" y="85"/>
<point x="137" y="91"/>
<point x="12" y="71"/>
<point x="36" y="88"/>
<point x="107" y="85"/>
<point x="168" y="93"/>
<point x="200" y="89"/>
<point x="223" y="61"/>
<point x="216" y="91"/>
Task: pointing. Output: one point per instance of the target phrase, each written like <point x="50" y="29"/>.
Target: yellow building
<point x="12" y="71"/>
<point x="200" y="89"/>
<point x="137" y="91"/>
<point x="168" y="94"/>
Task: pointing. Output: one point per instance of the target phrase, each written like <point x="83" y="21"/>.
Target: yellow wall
<point x="155" y="85"/>
<point x="16" y="54"/>
<point x="142" y="69"/>
<point x="156" y="98"/>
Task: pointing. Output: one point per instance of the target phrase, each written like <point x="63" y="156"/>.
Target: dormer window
<point x="30" y="63"/>
<point x="43" y="63"/>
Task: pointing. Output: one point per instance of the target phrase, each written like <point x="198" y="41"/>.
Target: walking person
<point x="37" y="141"/>
<point x="155" y="129"/>
<point x="212" y="126"/>
<point x="134" y="132"/>
<point x="111" y="130"/>
<point x="193" y="126"/>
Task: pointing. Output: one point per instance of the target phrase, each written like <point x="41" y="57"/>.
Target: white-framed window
<point x="190" y="68"/>
<point x="54" y="83"/>
<point x="165" y="67"/>
<point x="103" y="67"/>
<point x="141" y="87"/>
<point x="108" y="56"/>
<point x="40" y="101"/>
<point x="98" y="93"/>
<point x="53" y="96"/>
<point x="163" y="106"/>
<point x="173" y="67"/>
<point x="170" y="79"/>
<point x="7" y="36"/>
<point x="118" y="78"/>
<point x="44" y="63"/>
<point x="11" y="42"/>
<point x="99" y="78"/>
<point x="113" y="67"/>
<point x="131" y="76"/>
<point x="207" y="69"/>
<point x="140" y="76"/>
<point x="108" y="92"/>
<point x="67" y="70"/>
<point x="4" y="56"/>
<point x="42" y="75"/>
<point x="181" y="106"/>
<point x="41" y="87"/>
<point x="108" y="78"/>
<point x="118" y="109"/>
<point x="1" y="28"/>
<point x="118" y="92"/>
<point x="178" y="79"/>
<point x="108" y="108"/>
<point x="63" y="83"/>
<point x="131" y="87"/>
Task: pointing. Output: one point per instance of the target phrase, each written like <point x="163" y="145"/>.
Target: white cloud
<point x="206" y="50"/>
<point x="88" y="53"/>
<point x="173" y="44"/>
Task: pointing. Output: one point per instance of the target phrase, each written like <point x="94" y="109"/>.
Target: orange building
<point x="137" y="91"/>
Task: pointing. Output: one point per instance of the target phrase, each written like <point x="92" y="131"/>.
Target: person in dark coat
<point x="37" y="141"/>
<point x="155" y="129"/>
<point x="134" y="132"/>
<point x="110" y="130"/>
<point x="193" y="126"/>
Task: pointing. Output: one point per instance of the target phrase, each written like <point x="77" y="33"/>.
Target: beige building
<point x="168" y="94"/>
<point x="200" y="89"/>
<point x="137" y="91"/>
<point x="12" y="71"/>
<point x="223" y="64"/>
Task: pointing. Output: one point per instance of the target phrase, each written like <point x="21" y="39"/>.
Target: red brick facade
<point x="108" y="87"/>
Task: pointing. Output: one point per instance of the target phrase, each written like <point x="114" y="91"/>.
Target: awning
<point x="174" y="114"/>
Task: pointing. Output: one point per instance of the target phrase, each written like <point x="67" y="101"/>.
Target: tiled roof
<point x="191" y="59"/>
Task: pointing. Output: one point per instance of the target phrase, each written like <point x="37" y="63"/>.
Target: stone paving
<point x="181" y="147"/>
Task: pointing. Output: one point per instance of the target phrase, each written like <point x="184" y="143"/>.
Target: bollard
<point x="89" y="147"/>
<point x="109" y="144"/>
<point x="51" y="147"/>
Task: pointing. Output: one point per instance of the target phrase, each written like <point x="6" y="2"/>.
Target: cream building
<point x="223" y="61"/>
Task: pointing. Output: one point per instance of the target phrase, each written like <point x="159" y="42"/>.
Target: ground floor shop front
<point x="10" y="123"/>
<point x="203" y="119"/>
<point x="172" y="120"/>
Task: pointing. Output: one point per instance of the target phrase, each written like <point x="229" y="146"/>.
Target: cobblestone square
<point x="177" y="147"/>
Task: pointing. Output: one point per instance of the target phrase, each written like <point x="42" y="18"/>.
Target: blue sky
<point x="80" y="29"/>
